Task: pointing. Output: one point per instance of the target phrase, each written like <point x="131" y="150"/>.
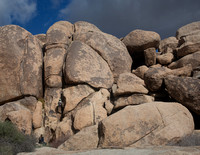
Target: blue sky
<point x="116" y="17"/>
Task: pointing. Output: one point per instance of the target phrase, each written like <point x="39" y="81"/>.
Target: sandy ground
<point x="164" y="150"/>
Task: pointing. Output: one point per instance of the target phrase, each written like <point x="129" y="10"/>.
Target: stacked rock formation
<point x="114" y="93"/>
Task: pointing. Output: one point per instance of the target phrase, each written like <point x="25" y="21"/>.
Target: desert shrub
<point x="43" y="102"/>
<point x="12" y="141"/>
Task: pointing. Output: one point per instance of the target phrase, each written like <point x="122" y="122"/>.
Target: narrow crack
<point x="94" y="117"/>
<point x="160" y="116"/>
<point x="99" y="53"/>
<point x="21" y="76"/>
<point x="148" y="133"/>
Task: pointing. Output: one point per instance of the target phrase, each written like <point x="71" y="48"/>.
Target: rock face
<point x="185" y="90"/>
<point x="86" y="139"/>
<point x="21" y="61"/>
<point x="149" y="123"/>
<point x="91" y="110"/>
<point x="83" y="64"/>
<point x="74" y="94"/>
<point x="110" y="48"/>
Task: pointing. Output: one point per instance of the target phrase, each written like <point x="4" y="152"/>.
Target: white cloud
<point x="119" y="17"/>
<point x="20" y="11"/>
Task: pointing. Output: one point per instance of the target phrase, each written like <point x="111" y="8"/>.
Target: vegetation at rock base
<point x="12" y="141"/>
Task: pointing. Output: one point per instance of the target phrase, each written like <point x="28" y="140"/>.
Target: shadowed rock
<point x="185" y="90"/>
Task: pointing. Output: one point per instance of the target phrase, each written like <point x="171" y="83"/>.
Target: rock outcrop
<point x="84" y="89"/>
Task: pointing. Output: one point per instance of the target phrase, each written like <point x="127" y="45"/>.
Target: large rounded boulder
<point x="156" y="123"/>
<point x="20" y="64"/>
<point x="84" y="65"/>
<point x="110" y="48"/>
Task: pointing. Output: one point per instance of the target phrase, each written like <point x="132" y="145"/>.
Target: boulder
<point x="193" y="59"/>
<point x="170" y="42"/>
<point x="38" y="116"/>
<point x="22" y="119"/>
<point x="129" y="83"/>
<point x="139" y="40"/>
<point x="53" y="65"/>
<point x="86" y="139"/>
<point x="154" y="77"/>
<point x="60" y="33"/>
<point x="21" y="61"/>
<point x="84" y="65"/>
<point x="74" y="94"/>
<point x="110" y="48"/>
<point x="192" y="28"/>
<point x="190" y="44"/>
<point x="150" y="56"/>
<point x="9" y="107"/>
<point x="134" y="99"/>
<point x="64" y="129"/>
<point x="140" y="71"/>
<point x="165" y="59"/>
<point x="91" y="110"/>
<point x="156" y="123"/>
<point x="83" y="27"/>
<point x="184" y="90"/>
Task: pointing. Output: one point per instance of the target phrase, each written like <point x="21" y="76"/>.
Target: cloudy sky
<point x="117" y="17"/>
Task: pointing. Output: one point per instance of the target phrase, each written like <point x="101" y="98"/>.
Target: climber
<point x="41" y="139"/>
<point x="60" y="103"/>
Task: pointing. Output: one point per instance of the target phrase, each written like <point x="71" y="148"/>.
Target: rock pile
<point x="83" y="89"/>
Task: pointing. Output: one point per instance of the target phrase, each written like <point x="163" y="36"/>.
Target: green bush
<point x="12" y="141"/>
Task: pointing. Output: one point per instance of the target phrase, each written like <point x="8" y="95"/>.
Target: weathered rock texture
<point x="185" y="90"/>
<point x="151" y="123"/>
<point x="84" y="65"/>
<point x="20" y="64"/>
<point x="110" y="48"/>
<point x="74" y="85"/>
